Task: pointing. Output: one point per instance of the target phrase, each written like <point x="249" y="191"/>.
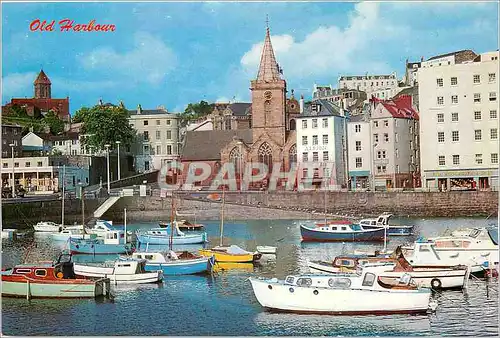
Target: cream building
<point x="459" y="120"/>
<point x="369" y="83"/>
<point x="158" y="137"/>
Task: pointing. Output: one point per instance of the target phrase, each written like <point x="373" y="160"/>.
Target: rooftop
<point x="206" y="145"/>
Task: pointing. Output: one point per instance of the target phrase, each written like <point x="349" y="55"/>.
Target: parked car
<point x="7" y="192"/>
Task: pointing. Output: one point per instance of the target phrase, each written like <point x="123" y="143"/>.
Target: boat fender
<point x="77" y="246"/>
<point x="316" y="292"/>
<point x="291" y="290"/>
<point x="59" y="275"/>
<point x="270" y="287"/>
<point x="436" y="284"/>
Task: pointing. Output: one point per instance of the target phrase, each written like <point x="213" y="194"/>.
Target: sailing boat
<point x="175" y="263"/>
<point x="229" y="254"/>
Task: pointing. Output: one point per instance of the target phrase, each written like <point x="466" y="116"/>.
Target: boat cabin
<point x="352" y="262"/>
<point x="130" y="266"/>
<point x="150" y="257"/>
<point x="339" y="228"/>
<point x="371" y="222"/>
<point x="61" y="269"/>
<point x="114" y="237"/>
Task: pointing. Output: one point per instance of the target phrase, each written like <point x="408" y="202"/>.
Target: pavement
<point x="31" y="198"/>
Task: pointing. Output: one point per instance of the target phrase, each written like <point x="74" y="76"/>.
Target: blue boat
<point x="328" y="232"/>
<point x="162" y="236"/>
<point x="113" y="243"/>
<point x="383" y="221"/>
<point x="176" y="263"/>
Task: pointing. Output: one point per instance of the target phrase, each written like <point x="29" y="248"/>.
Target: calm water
<point x="225" y="305"/>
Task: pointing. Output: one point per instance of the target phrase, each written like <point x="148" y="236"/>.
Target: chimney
<point x="100" y="102"/>
<point x="139" y="109"/>
<point x="421" y="59"/>
<point x="301" y="104"/>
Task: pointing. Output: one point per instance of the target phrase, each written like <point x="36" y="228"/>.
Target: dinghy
<point x="160" y="236"/>
<point x="176" y="263"/>
<point x="264" y="249"/>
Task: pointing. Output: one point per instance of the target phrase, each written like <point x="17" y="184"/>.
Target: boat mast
<point x="83" y="214"/>
<point x="222" y="217"/>
<point x="125" y="223"/>
<point x="325" y="205"/>
<point x="172" y="210"/>
<point x="63" y="194"/>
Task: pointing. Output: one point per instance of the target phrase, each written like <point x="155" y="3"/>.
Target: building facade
<point x="459" y="127"/>
<point x="369" y="83"/>
<point x="230" y="116"/>
<point x="158" y="137"/>
<point x="11" y="134"/>
<point x="359" y="146"/>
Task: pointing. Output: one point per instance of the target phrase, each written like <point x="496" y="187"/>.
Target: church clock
<point x="268" y="95"/>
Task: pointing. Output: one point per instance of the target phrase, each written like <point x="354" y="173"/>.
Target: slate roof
<point x="356" y="118"/>
<point x="150" y="112"/>
<point x="240" y="108"/>
<point x="450" y="54"/>
<point x="206" y="145"/>
<point x="327" y="109"/>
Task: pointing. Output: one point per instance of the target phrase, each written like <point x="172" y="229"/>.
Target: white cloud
<point x="18" y="85"/>
<point x="149" y="61"/>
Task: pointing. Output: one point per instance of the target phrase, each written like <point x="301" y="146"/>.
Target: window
<point x="41" y="272"/>
<point x="358" y="145"/>
<point x="456" y="159"/>
<point x="396" y="136"/>
<point x="325" y="139"/>
<point x="396" y="123"/>
<point x="158" y="150"/>
<point x="493" y="114"/>
<point x="146" y="136"/>
<point x="454" y="99"/>
<point x="146" y="150"/>
<point x="477" y="78"/>
<point x="375" y="138"/>
<point x="454" y="81"/>
<point x="325" y="123"/>
<point x="325" y="156"/>
<point x="439" y="82"/>
<point x="477" y="115"/>
<point x="477" y="97"/>
<point x="381" y="154"/>
<point x="494" y="133"/>
<point x="5" y="165"/>
<point x="477" y="135"/>
<point x="440" y="100"/>
<point x="304" y="140"/>
<point x="304" y="172"/>
<point x="304" y="124"/>
<point x="27" y="164"/>
<point x="479" y="158"/>
<point x="454" y="117"/>
<point x="493" y="96"/>
<point x="305" y="157"/>
<point x="386" y="123"/>
<point x="169" y="150"/>
<point x="357" y="128"/>
<point x="369" y="279"/>
<point x="169" y="134"/>
<point x="145" y="123"/>
<point x="315" y="140"/>
<point x="397" y="152"/>
<point x="16" y="164"/>
<point x="315" y="156"/>
<point x="494" y="158"/>
<point x="441" y="160"/>
<point x="440" y="117"/>
<point x="146" y="165"/>
<point x="491" y="77"/>
<point x="375" y="124"/>
<point x="158" y="135"/>
<point x="158" y="122"/>
<point x="359" y="162"/>
<point x="454" y="136"/>
<point x="440" y="136"/>
<point x="315" y="123"/>
<point x="386" y="137"/>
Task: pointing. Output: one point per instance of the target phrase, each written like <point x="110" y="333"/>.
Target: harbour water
<point x="224" y="304"/>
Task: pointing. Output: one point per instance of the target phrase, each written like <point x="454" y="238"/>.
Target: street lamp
<point x="107" y="162"/>
<point x="118" y="144"/>
<point x="240" y="161"/>
<point x="13" y="179"/>
<point x="372" y="153"/>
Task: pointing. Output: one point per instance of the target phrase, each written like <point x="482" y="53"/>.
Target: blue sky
<point x="172" y="54"/>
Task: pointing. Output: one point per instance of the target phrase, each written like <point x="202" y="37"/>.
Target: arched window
<point x="266" y="155"/>
<point x="292" y="124"/>
<point x="292" y="156"/>
<point x="235" y="158"/>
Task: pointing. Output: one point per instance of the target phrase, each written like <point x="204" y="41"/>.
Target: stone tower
<point x="42" y="86"/>
<point x="269" y="97"/>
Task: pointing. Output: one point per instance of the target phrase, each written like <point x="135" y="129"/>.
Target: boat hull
<point x="98" y="248"/>
<point x="224" y="257"/>
<point x="47" y="228"/>
<point x="183" y="266"/>
<point x="165" y="240"/>
<point x="315" y="235"/>
<point x="431" y="277"/>
<point x="87" y="271"/>
<point x="311" y="300"/>
<point x="393" y="230"/>
<point x="65" y="237"/>
<point x="270" y="250"/>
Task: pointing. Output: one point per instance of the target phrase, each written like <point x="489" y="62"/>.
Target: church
<point x="271" y="138"/>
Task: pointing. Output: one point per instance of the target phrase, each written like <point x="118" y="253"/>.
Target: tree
<point x="18" y="115"/>
<point x="196" y="110"/>
<point x="106" y="125"/>
<point x="53" y="121"/>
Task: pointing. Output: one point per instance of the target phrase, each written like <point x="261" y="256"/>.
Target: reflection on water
<point x="224" y="304"/>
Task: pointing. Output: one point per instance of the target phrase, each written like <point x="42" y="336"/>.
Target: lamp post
<point x="240" y="161"/>
<point x="13" y="179"/>
<point x="118" y="144"/>
<point x="107" y="162"/>
<point x="372" y="153"/>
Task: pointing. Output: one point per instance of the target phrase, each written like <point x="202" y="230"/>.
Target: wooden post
<point x="28" y="290"/>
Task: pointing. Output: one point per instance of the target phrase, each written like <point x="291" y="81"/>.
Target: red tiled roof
<point x="61" y="106"/>
<point x="399" y="107"/>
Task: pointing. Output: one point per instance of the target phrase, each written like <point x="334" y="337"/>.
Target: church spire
<point x="42" y="86"/>
<point x="268" y="69"/>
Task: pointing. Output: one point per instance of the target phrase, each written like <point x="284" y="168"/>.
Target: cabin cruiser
<point x="383" y="221"/>
<point x="47" y="227"/>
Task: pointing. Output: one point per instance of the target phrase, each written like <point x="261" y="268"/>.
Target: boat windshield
<point x="474" y="233"/>
<point x="493" y="235"/>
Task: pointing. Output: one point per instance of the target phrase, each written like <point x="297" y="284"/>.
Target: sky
<point x="174" y="53"/>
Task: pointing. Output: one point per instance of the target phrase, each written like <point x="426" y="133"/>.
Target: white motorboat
<point x="47" y="227"/>
<point x="130" y="271"/>
<point x="383" y="221"/>
<point x="9" y="233"/>
<point x="101" y="228"/>
<point x="264" y="249"/>
<point x="340" y="294"/>
<point x="65" y="234"/>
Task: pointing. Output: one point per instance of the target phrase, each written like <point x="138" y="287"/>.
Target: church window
<point x="235" y="158"/>
<point x="292" y="124"/>
<point x="228" y="124"/>
<point x="292" y="156"/>
<point x="265" y="155"/>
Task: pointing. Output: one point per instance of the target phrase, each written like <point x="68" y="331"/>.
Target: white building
<point x="369" y="83"/>
<point x="321" y="138"/>
<point x="459" y="120"/>
<point x="158" y="137"/>
<point x="359" y="145"/>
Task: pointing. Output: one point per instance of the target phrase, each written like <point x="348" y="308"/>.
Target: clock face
<point x="268" y="95"/>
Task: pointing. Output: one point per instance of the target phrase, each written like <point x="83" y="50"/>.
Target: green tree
<point x="53" y="121"/>
<point x="18" y="115"/>
<point x="106" y="125"/>
<point x="194" y="111"/>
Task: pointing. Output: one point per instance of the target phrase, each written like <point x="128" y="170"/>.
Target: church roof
<point x="42" y="78"/>
<point x="240" y="108"/>
<point x="206" y="145"/>
<point x="268" y="68"/>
